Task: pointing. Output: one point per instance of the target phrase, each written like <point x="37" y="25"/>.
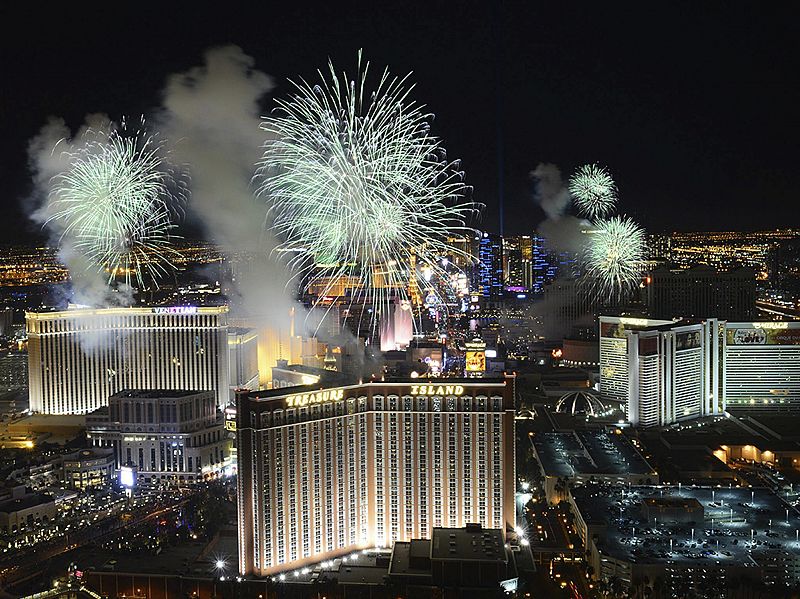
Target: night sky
<point x="694" y="109"/>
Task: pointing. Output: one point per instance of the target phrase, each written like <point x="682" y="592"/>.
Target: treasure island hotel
<point x="326" y="471"/>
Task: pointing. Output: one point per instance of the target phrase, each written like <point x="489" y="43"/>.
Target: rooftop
<point x="23" y="503"/>
<point x="280" y="392"/>
<point x="672" y="502"/>
<point x="586" y="452"/>
<point x="467" y="544"/>
<point x="156" y="393"/>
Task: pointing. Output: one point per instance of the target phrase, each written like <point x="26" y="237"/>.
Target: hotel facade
<point x="324" y="472"/>
<point x="78" y="358"/>
<point x="663" y="372"/>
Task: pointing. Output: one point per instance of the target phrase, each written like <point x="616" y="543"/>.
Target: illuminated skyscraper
<point x="490" y="266"/>
<point x="326" y="471"/>
<point x="79" y="357"/>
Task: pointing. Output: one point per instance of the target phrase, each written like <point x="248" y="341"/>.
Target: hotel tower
<point x="78" y="358"/>
<point x="325" y="471"/>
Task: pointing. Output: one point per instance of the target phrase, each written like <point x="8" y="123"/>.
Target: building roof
<point x="281" y="391"/>
<point x="156" y="393"/>
<point x="468" y="544"/>
<point x="588" y="452"/>
<point x="25" y="502"/>
<point x="92" y="453"/>
<point x="685" y="503"/>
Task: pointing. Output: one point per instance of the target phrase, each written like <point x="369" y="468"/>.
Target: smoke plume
<point x="211" y="114"/>
<point x="562" y="231"/>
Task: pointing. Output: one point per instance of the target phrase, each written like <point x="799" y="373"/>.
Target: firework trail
<point x="614" y="256"/>
<point x="358" y="189"/>
<point x="593" y="191"/>
<point x="116" y="200"/>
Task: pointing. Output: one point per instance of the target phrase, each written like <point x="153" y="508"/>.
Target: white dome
<point x="580" y="402"/>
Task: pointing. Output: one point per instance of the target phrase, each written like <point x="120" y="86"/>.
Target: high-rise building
<point x="490" y="266"/>
<point x="325" y="471"/>
<point x="566" y="303"/>
<point x="702" y="292"/>
<point x="242" y="359"/>
<point x="13" y="370"/>
<point x="667" y="371"/>
<point x="658" y="248"/>
<point x="174" y="437"/>
<point x="513" y="267"/>
<point x="761" y="368"/>
<point x="79" y="357"/>
<point x="539" y="265"/>
<point x="620" y="367"/>
<point x="396" y="325"/>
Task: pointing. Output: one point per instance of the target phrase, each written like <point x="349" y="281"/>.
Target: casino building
<point x="662" y="371"/>
<point x="762" y="366"/>
<point x="667" y="371"/>
<point x="78" y="358"/>
<point x="326" y="471"/>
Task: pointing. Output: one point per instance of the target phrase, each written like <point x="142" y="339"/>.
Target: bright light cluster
<point x="355" y="181"/>
<point x="115" y="199"/>
<point x="593" y="191"/>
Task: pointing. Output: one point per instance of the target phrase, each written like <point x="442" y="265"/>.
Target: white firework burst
<point x="115" y="200"/>
<point x="355" y="178"/>
<point x="614" y="256"/>
<point x="593" y="191"/>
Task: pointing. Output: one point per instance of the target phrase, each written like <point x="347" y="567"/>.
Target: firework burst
<point x="614" y="256"/>
<point x="115" y="200"/>
<point x="593" y="191"/>
<point x="354" y="180"/>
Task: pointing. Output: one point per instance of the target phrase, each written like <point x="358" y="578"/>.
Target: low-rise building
<point x="584" y="455"/>
<point x="88" y="468"/>
<point x="25" y="511"/>
<point x="672" y="510"/>
<point x="169" y="436"/>
<point x="474" y="560"/>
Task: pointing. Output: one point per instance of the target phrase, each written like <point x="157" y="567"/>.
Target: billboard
<point x="612" y="330"/>
<point x="763" y="336"/>
<point x="475" y="357"/>
<point x="687" y="340"/>
<point x="648" y="346"/>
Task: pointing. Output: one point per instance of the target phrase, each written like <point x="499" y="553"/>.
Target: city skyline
<point x="399" y="301"/>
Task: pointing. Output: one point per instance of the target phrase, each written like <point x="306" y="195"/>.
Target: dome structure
<point x="581" y="402"/>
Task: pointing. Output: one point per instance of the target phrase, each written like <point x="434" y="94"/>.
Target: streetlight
<point x="220" y="564"/>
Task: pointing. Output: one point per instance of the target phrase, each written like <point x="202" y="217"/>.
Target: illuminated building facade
<point x="490" y="266"/>
<point x="242" y="359"/>
<point x="79" y="357"/>
<point x="174" y="437"/>
<point x="661" y="371"/>
<point x="762" y="365"/>
<point x="667" y="371"/>
<point x="325" y="471"/>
